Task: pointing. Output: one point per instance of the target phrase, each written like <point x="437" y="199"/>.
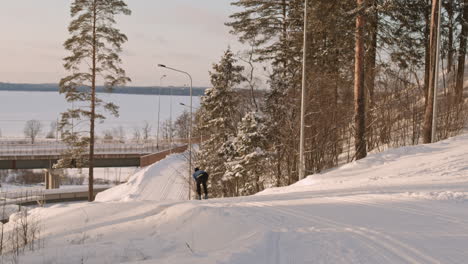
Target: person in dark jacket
<point x="201" y="177"/>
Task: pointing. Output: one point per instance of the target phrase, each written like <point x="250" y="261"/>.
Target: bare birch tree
<point x="32" y="129"/>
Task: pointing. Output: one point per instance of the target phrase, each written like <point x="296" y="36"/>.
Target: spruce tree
<point x="95" y="44"/>
<point x="218" y="119"/>
<point x="248" y="168"/>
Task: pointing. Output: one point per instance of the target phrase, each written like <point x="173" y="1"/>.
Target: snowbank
<point x="164" y="180"/>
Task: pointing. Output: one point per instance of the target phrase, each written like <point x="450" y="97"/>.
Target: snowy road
<point x="407" y="205"/>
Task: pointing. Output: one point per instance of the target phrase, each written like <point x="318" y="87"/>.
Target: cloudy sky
<point x="185" y="34"/>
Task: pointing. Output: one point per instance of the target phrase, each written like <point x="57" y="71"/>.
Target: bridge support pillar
<point x="52" y="179"/>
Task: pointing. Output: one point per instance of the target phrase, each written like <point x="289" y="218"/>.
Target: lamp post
<point x="159" y="109"/>
<point x="190" y="123"/>
<point x="303" y="97"/>
<point x="170" y="120"/>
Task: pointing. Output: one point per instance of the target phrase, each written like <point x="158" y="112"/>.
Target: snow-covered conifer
<point x="248" y="169"/>
<point x="218" y="119"/>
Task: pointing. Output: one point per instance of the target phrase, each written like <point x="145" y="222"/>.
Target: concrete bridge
<point x="43" y="161"/>
<point x="44" y="156"/>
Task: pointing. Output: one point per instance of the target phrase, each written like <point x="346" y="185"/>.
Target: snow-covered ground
<point x="406" y="205"/>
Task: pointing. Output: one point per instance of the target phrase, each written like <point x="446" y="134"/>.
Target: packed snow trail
<point x="165" y="180"/>
<point x="407" y="205"/>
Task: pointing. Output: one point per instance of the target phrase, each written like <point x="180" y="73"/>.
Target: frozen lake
<point x="18" y="107"/>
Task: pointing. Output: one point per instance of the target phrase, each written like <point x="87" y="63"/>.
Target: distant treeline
<point x="180" y="91"/>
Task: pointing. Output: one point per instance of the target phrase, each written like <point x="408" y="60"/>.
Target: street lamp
<point x="190" y="123"/>
<point x="182" y="104"/>
<point x="159" y="109"/>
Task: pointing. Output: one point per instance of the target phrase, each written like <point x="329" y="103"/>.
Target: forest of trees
<point x="368" y="69"/>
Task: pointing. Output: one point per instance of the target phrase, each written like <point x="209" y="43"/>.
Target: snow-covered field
<point x="406" y="205"/>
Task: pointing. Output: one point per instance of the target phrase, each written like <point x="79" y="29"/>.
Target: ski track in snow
<point x="406" y="205"/>
<point x="378" y="242"/>
<point x="425" y="212"/>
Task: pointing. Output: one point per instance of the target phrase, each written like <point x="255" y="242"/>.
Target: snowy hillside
<point x="432" y="171"/>
<point x="406" y="205"/>
<point x="165" y="180"/>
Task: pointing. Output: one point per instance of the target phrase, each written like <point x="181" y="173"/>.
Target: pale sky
<point x="185" y="34"/>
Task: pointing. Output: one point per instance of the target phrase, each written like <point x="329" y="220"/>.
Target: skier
<point x="201" y="177"/>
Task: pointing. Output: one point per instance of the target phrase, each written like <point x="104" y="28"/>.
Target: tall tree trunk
<point x="284" y="33"/>
<point x="250" y="78"/>
<point x="462" y="55"/>
<point x="359" y="92"/>
<point x="428" y="116"/>
<point x="427" y="55"/>
<point x="93" y="112"/>
<point x="449" y="8"/>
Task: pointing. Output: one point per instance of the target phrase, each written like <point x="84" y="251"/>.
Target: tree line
<point x="368" y="72"/>
<point x="368" y="67"/>
<point x="177" y="129"/>
<point x="175" y="90"/>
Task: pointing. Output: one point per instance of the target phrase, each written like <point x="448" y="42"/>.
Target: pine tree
<point x="266" y="25"/>
<point x="218" y="119"/>
<point x="94" y="45"/>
